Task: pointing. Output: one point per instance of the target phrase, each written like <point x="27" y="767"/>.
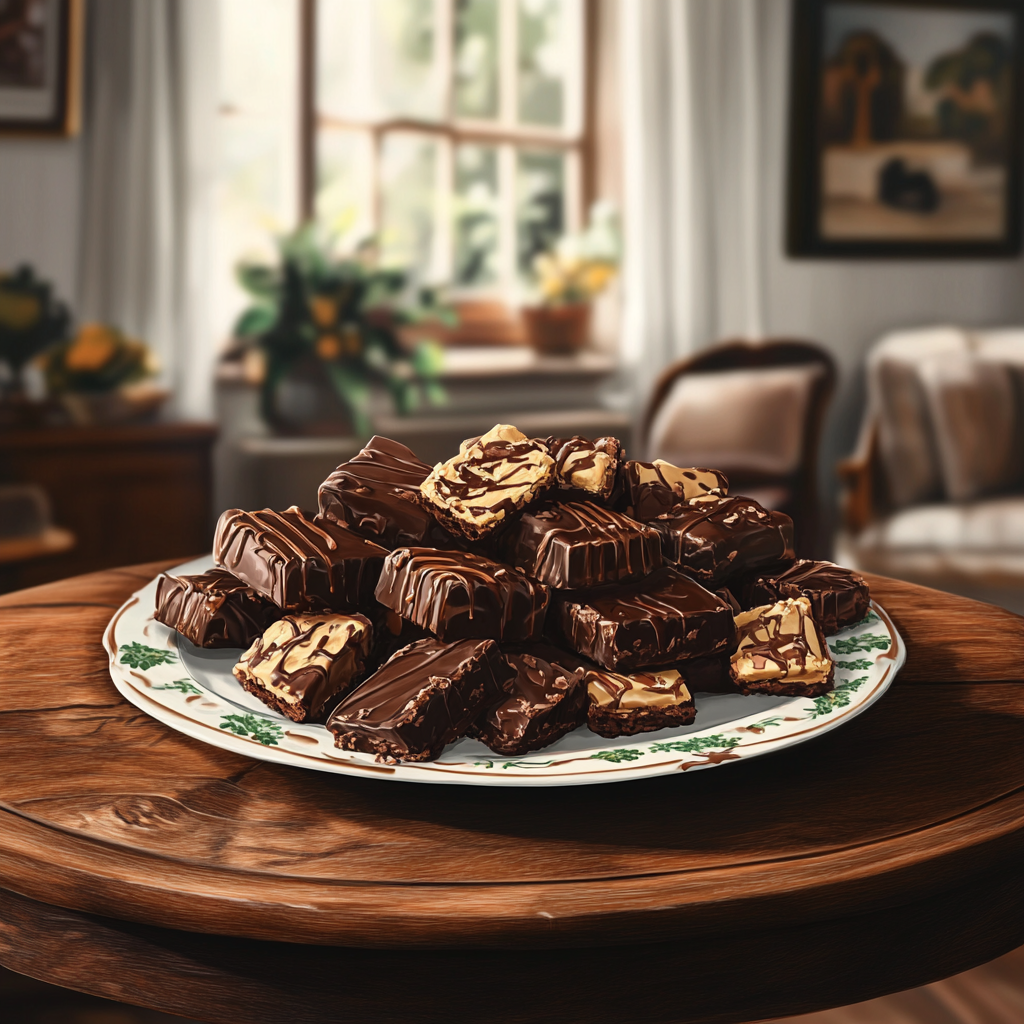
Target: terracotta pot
<point x="555" y="330"/>
<point x="134" y="403"/>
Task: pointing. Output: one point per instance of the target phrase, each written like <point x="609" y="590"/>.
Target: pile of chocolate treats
<point x="521" y="589"/>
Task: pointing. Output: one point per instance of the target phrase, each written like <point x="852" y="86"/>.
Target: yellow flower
<point x="328" y="347"/>
<point x="94" y="347"/>
<point x="324" y="310"/>
<point x="18" y="311"/>
<point x="596" y="277"/>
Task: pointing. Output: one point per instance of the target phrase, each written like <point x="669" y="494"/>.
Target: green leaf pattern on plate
<point x="253" y="727"/>
<point x="136" y="655"/>
<point x="182" y="686"/>
<point x="864" y="642"/>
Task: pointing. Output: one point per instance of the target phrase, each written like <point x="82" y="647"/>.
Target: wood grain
<point x="101" y="806"/>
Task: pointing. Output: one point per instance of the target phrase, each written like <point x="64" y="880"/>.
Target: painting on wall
<point x="40" y="66"/>
<point x="905" y="133"/>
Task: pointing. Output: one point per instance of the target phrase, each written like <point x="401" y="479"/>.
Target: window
<point x="451" y="131"/>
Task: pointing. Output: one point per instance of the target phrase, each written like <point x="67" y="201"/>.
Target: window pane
<point x="477" y="215"/>
<point x="344" y="185"/>
<point x="540" y="205"/>
<point x="378" y="59"/>
<point x="542" y="59"/>
<point x="476" y="58"/>
<point x="259" y="56"/>
<point x="409" y="214"/>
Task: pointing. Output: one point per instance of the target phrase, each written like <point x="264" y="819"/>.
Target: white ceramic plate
<point x="192" y="690"/>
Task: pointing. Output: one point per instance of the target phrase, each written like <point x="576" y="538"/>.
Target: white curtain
<point x="148" y="172"/>
<point x="693" y="227"/>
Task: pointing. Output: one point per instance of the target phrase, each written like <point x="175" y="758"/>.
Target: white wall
<point x="847" y="304"/>
<point x="39" y="208"/>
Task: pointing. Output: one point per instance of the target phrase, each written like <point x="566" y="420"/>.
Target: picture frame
<point x="41" y="67"/>
<point x="906" y="128"/>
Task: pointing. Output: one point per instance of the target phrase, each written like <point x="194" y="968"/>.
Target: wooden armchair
<point x="755" y="411"/>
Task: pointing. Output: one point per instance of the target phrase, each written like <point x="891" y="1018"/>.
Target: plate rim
<point x="622" y="769"/>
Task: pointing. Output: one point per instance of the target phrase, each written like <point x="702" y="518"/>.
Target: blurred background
<point x="240" y="236"/>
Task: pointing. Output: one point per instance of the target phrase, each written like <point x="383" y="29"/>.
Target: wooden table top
<point x="910" y="816"/>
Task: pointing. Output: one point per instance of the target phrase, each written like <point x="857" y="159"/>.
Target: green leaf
<point x="859" y="665"/>
<point x="696" y="744"/>
<point x="136" y="655"/>
<point x="619" y="755"/>
<point x="864" y="642"/>
<point x="253" y="727"/>
<point x="256" y="320"/>
<point x="181" y="685"/>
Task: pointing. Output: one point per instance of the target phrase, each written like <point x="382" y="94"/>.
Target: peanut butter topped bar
<point x="782" y="651"/>
<point x="303" y="663"/>
<point x="456" y="594"/>
<point x="298" y="562"/>
<point x="214" y="609"/>
<point x="377" y="493"/>
<point x="576" y="544"/>
<point x="652" y="488"/>
<point x="491" y="478"/>
<point x="586" y="469"/>
<point x="623" y="705"/>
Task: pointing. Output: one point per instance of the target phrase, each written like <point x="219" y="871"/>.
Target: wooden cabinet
<point x="128" y="493"/>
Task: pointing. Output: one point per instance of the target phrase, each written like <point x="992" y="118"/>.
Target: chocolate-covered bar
<point x="377" y="494"/>
<point x="492" y="477"/>
<point x="653" y="488"/>
<point x="707" y="675"/>
<point x="299" y="562"/>
<point x="548" y="698"/>
<point x="422" y="698"/>
<point x="781" y="651"/>
<point x="214" y="609"/>
<point x="839" y="597"/>
<point x="572" y="545"/>
<point x="303" y="663"/>
<point x="717" y="539"/>
<point x="586" y="469"/>
<point x="623" y="705"/>
<point x="457" y="594"/>
<point x="661" y="620"/>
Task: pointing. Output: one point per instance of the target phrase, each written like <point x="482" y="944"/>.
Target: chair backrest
<point x="753" y="410"/>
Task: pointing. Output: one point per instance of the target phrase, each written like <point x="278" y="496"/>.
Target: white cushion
<point x="735" y="419"/>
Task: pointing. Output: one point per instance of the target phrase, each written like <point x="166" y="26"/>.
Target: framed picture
<point x="40" y="66"/>
<point x="905" y="130"/>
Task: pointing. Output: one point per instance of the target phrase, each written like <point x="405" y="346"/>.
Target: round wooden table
<point x="143" y="866"/>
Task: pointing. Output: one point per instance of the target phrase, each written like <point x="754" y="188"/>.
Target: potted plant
<point x="100" y="375"/>
<point x="568" y="279"/>
<point x="31" y="320"/>
<point x="321" y="322"/>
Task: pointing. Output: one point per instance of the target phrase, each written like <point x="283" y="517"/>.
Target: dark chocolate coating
<point x="707" y="675"/>
<point x="661" y="620"/>
<point x="839" y="597"/>
<point x="377" y="494"/>
<point x="321" y="676"/>
<point x="215" y="609"/>
<point x="424" y="697"/>
<point x="299" y="562"/>
<point x="457" y="595"/>
<point x="548" y="699"/>
<point x="717" y="540"/>
<point x="610" y="718"/>
<point x="648" y="490"/>
<point x="572" y="545"/>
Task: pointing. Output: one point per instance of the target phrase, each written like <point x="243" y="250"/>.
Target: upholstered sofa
<point x="935" y="491"/>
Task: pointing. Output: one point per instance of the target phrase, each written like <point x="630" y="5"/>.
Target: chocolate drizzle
<point x="716" y="539"/>
<point x="657" y="621"/>
<point x="456" y="595"/>
<point x="298" y="562"/>
<point x="377" y="494"/>
<point x="424" y="697"/>
<point x="642" y="702"/>
<point x="571" y="545"/>
<point x="304" y="662"/>
<point x="584" y="468"/>
<point x="839" y="597"/>
<point x="215" y="609"/>
<point x="653" y="488"/>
